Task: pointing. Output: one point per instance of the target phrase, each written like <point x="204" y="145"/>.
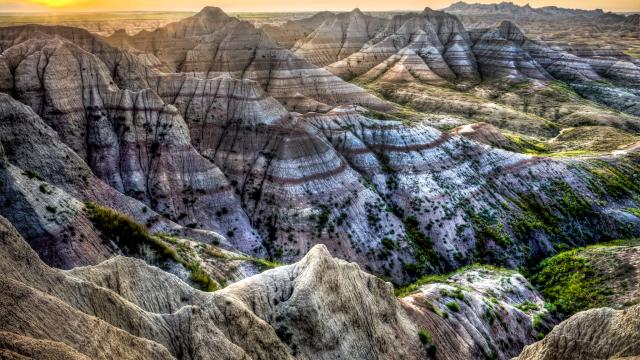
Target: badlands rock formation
<point x="211" y="44"/>
<point x="219" y="154"/>
<point x="223" y="148"/>
<point x="434" y="47"/>
<point x="318" y="308"/>
<point x="601" y="333"/>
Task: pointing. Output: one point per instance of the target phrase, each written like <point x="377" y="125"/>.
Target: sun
<point x="55" y="3"/>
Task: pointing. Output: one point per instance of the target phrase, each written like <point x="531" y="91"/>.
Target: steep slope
<point x="496" y="312"/>
<point x="132" y="140"/>
<point x="594" y="334"/>
<point x="125" y="308"/>
<point x="595" y="276"/>
<point x="399" y="198"/>
<point x="438" y="39"/>
<point x="338" y="37"/>
<point x="212" y="44"/>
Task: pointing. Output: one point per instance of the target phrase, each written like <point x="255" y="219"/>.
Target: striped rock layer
<point x="222" y="156"/>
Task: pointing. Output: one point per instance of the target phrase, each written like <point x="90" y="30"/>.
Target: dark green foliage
<point x="388" y="243"/>
<point x="425" y="336"/>
<point x="619" y="181"/>
<point x="488" y="228"/>
<point x="527" y="306"/>
<point x="323" y="218"/>
<point x="117" y="227"/>
<point x="422" y="244"/>
<point x="33" y="175"/>
<point x="427" y="341"/>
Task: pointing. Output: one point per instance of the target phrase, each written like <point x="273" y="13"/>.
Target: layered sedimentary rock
<point x="434" y="48"/>
<point x="439" y="39"/>
<point x="222" y="155"/>
<point x="338" y="37"/>
<point x="486" y="134"/>
<point x="287" y="34"/>
<point x="212" y="44"/>
<point x="491" y="310"/>
<point x="500" y="55"/>
<point x="601" y="333"/>
<point x="135" y="142"/>
<point x="125" y="308"/>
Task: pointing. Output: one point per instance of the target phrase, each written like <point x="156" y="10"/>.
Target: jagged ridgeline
<point x="406" y="146"/>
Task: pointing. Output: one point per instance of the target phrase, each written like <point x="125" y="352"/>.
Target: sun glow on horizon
<point x="285" y="5"/>
<point x="55" y="3"/>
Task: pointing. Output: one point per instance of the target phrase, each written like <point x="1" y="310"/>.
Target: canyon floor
<point x="460" y="183"/>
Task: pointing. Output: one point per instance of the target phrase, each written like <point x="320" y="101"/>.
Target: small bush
<point x="33" y="175"/>
<point x="427" y="341"/>
<point x="387" y="243"/>
<point x="526" y="306"/>
<point x="425" y="336"/>
<point x="453" y="306"/>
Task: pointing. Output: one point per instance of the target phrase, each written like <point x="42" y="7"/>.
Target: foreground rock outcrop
<point x="593" y="334"/>
<point x="318" y="308"/>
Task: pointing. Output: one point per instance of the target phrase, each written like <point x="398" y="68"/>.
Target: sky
<point x="283" y="5"/>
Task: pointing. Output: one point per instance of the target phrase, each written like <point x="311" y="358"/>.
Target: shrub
<point x="427" y="341"/>
<point x="526" y="306"/>
<point x="453" y="306"/>
<point x="387" y="243"/>
<point x="425" y="336"/>
<point x="33" y="175"/>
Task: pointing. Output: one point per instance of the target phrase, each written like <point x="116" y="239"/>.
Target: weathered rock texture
<point x="318" y="308"/>
<point x="212" y="44"/>
<point x="481" y="313"/>
<point x="434" y="47"/>
<point x="601" y="333"/>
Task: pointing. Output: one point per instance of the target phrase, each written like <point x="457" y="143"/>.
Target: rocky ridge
<point x="211" y="44"/>
<point x="140" y="311"/>
<point x="601" y="333"/>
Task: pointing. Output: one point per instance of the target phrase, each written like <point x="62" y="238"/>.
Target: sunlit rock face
<point x="439" y="39"/>
<point x="338" y="37"/>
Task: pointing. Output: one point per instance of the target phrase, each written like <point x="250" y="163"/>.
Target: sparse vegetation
<point x="427" y="340"/>
<point x="131" y="237"/>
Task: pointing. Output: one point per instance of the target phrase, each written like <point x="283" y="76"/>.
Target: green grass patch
<point x="453" y="306"/>
<point x="570" y="283"/>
